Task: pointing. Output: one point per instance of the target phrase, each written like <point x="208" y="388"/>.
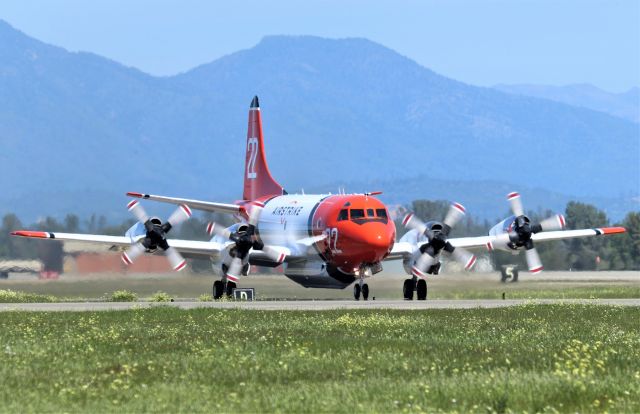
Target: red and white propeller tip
<point x="533" y="261"/>
<point x="516" y="204"/>
<point x="138" y="211"/>
<point x="177" y="261"/>
<point x="182" y="213"/>
<point x="235" y="269"/>
<point x="455" y="213"/>
<point x="552" y="223"/>
<point x="413" y="222"/>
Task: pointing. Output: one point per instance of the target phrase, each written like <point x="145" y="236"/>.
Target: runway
<point x="309" y="305"/>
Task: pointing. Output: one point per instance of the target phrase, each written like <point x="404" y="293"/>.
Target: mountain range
<point x="626" y="105"/>
<point x="78" y="130"/>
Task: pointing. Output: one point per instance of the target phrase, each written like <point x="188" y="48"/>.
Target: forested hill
<point x="345" y="110"/>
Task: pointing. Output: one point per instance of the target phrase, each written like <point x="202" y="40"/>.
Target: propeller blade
<point x="219" y="230"/>
<point x="274" y="254"/>
<point x="455" y="213"/>
<point x="533" y="261"/>
<point x="500" y="242"/>
<point x="182" y="213"/>
<point x="137" y="210"/>
<point x="553" y="223"/>
<point x="235" y="269"/>
<point x="464" y="257"/>
<point x="130" y="255"/>
<point x="413" y="222"/>
<point x="516" y="204"/>
<point x="424" y="262"/>
<point x="175" y="258"/>
<point x="254" y="215"/>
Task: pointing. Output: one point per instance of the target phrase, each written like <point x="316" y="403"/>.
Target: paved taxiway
<point x="310" y="305"/>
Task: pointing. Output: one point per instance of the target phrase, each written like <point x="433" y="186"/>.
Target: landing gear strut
<point x="361" y="288"/>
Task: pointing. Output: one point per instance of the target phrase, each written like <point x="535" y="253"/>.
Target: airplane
<point x="321" y="240"/>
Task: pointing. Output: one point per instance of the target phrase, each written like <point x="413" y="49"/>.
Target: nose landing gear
<point x="360" y="287"/>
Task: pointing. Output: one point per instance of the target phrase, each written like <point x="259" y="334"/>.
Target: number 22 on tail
<point x="252" y="149"/>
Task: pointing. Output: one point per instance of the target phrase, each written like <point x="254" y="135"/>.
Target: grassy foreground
<point x="543" y="358"/>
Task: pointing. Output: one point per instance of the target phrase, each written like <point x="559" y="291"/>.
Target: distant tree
<point x="625" y="248"/>
<point x="50" y="253"/>
<point x="582" y="253"/>
<point x="14" y="247"/>
<point x="71" y="223"/>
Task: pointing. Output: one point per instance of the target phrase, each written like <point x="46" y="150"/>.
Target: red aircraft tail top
<point x="258" y="181"/>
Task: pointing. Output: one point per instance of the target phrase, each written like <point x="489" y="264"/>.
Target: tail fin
<point x="257" y="178"/>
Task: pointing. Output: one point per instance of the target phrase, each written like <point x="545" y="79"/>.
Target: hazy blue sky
<point x="479" y="42"/>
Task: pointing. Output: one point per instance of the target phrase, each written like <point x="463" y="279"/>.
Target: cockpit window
<point x="370" y="212"/>
<point x="381" y="212"/>
<point x="343" y="215"/>
<point x="357" y="213"/>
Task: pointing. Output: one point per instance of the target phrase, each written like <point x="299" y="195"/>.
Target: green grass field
<point x="542" y="358"/>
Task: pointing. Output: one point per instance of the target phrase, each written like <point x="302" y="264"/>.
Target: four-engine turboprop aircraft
<point x="324" y="240"/>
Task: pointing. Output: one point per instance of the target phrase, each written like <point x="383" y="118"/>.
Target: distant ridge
<point x="346" y="110"/>
<point x="625" y="105"/>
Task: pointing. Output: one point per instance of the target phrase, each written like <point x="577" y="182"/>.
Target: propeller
<point x="520" y="231"/>
<point x="156" y="235"/>
<point x="437" y="234"/>
<point x="245" y="238"/>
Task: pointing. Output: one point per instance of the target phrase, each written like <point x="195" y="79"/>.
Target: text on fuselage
<point x="287" y="211"/>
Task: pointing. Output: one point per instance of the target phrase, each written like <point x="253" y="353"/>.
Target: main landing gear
<point x="222" y="288"/>
<point x="417" y="285"/>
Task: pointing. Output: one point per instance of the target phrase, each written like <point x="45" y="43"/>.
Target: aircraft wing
<point x="189" y="248"/>
<point x="194" y="204"/>
<point x="405" y="249"/>
<point x="482" y="241"/>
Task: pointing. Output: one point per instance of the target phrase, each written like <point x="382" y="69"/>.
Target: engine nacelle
<point x="507" y="225"/>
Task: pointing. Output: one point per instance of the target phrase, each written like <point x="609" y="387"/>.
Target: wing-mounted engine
<point x="515" y="232"/>
<point x="244" y="237"/>
<point x="150" y="234"/>
<point x="430" y="239"/>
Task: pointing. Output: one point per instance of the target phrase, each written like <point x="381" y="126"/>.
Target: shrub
<point x="123" y="296"/>
<point x="160" y="297"/>
<point x="12" y="296"/>
<point x="205" y="298"/>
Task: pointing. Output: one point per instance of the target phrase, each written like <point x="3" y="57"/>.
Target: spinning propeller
<point x="520" y="231"/>
<point x="437" y="234"/>
<point x="245" y="238"/>
<point x="156" y="235"/>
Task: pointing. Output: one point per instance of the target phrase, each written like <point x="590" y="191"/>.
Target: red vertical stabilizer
<point x="257" y="178"/>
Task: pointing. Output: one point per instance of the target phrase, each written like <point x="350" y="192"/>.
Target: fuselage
<point x="350" y="232"/>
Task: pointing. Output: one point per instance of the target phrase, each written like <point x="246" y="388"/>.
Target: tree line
<point x="619" y="252"/>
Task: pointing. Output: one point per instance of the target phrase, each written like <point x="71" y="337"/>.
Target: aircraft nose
<point x="372" y="241"/>
<point x="377" y="240"/>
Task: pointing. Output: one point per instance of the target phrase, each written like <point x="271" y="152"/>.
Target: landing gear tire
<point x="365" y="292"/>
<point x="356" y="291"/>
<point x="218" y="289"/>
<point x="407" y="289"/>
<point x="230" y="287"/>
<point x="421" y="289"/>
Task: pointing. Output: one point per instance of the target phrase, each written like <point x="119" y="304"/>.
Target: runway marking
<point x="311" y="305"/>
